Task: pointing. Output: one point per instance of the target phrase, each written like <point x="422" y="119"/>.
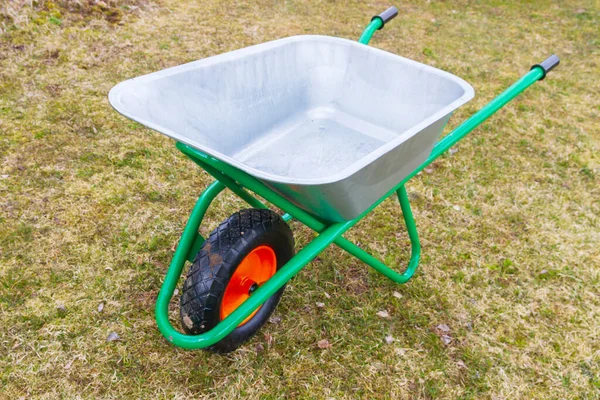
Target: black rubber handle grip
<point x="386" y="16"/>
<point x="548" y="64"/>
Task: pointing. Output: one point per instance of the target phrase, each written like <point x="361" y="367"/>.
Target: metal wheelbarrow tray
<point x="329" y="123"/>
<point x="323" y="128"/>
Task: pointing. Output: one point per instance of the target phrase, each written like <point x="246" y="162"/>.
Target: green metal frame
<point x="240" y="182"/>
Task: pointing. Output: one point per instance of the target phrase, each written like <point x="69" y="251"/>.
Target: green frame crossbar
<point x="240" y="183"/>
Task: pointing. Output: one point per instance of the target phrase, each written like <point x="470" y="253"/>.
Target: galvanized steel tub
<point x="329" y="123"/>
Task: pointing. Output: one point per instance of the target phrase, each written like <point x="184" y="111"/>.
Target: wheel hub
<point x="257" y="267"/>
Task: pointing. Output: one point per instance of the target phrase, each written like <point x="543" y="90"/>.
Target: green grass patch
<point x="504" y="305"/>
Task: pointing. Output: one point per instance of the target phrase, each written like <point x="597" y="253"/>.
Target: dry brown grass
<point x="92" y="204"/>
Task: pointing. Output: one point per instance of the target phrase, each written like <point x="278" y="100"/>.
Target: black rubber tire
<point x="216" y="262"/>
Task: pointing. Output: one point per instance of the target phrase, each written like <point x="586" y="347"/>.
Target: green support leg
<point x="413" y="235"/>
<point x="378" y="265"/>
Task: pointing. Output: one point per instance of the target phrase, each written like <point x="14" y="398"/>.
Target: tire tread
<point x="213" y="265"/>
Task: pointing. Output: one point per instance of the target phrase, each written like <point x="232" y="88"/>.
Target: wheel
<point x="238" y="256"/>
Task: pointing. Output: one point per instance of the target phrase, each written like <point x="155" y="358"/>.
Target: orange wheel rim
<point x="255" y="269"/>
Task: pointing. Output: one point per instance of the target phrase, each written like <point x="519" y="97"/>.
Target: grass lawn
<point x="92" y="205"/>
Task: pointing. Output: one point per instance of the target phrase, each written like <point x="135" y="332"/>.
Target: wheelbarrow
<point x="324" y="129"/>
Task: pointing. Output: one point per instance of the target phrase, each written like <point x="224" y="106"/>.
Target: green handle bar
<point x="377" y="22"/>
